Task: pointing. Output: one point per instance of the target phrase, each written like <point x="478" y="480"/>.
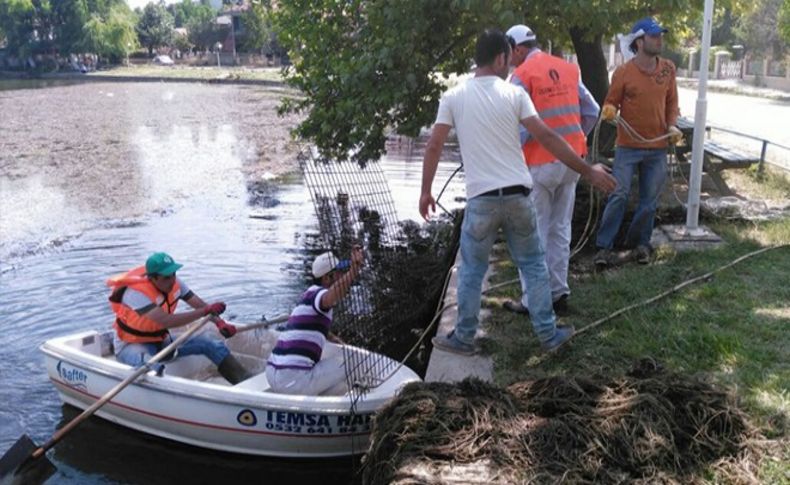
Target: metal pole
<point x="762" y="158"/>
<point x="233" y="36"/>
<point x="700" y="115"/>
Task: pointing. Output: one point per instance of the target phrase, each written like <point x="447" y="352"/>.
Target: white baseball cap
<point x="520" y="33"/>
<point x="327" y="262"/>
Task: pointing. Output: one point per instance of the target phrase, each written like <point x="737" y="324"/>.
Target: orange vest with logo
<point x="553" y="85"/>
<point x="130" y="326"/>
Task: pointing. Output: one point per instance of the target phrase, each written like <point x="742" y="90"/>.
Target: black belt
<point x="512" y="190"/>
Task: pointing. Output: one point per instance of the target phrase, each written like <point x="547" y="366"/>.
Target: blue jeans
<point x="652" y="166"/>
<point x="483" y="217"/>
<point x="136" y="355"/>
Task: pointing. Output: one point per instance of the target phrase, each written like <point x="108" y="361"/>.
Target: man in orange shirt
<point x="644" y="91"/>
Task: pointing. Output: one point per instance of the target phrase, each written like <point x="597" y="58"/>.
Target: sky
<point x="142" y="3"/>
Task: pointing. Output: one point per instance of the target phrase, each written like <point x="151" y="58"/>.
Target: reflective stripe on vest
<point x="131" y="326"/>
<point x="553" y="85"/>
<point x="559" y="111"/>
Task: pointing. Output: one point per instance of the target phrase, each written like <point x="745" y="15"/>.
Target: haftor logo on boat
<point x="74" y="377"/>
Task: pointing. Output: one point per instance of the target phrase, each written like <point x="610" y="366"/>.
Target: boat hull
<point x="245" y="418"/>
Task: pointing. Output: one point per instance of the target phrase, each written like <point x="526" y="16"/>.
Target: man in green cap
<point x="144" y="301"/>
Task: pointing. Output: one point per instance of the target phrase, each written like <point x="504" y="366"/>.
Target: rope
<point x="677" y="287"/>
<point x="589" y="226"/>
<point x="441" y="192"/>
<point x="588" y="229"/>
<point x="595" y="323"/>
<point x="635" y="135"/>
<point x="674" y="168"/>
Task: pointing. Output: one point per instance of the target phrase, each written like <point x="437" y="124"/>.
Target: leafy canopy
<point x="366" y="66"/>
<point x="257" y="26"/>
<point x="66" y="26"/>
<point x="784" y="21"/>
<point x="113" y="35"/>
<point x="155" y="27"/>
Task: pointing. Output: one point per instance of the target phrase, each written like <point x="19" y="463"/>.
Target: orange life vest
<point x="130" y="326"/>
<point x="553" y="85"/>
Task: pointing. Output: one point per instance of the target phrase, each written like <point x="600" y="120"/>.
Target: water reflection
<point x="207" y="165"/>
<point x="92" y="193"/>
<point x="87" y="454"/>
<point x="32" y="211"/>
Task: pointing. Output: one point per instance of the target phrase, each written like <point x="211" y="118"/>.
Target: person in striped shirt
<point x="295" y="365"/>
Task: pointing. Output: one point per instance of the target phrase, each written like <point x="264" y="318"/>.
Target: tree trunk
<point x="592" y="62"/>
<point x="595" y="76"/>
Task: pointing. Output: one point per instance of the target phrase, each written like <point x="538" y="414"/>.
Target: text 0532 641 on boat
<point x="192" y="404"/>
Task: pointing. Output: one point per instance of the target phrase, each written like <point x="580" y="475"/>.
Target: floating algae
<point x="649" y="426"/>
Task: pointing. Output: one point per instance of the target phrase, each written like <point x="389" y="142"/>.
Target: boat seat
<point x="255" y="383"/>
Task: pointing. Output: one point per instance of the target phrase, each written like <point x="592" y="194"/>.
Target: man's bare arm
<point x="430" y="162"/>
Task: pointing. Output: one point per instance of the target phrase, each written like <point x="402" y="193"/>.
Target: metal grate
<point x="399" y="286"/>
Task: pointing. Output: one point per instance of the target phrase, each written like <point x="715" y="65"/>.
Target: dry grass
<point x="183" y="72"/>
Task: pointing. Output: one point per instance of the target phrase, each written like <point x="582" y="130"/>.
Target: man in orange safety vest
<point x="566" y="106"/>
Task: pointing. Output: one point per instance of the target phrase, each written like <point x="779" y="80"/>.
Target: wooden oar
<point x="26" y="463"/>
<point x="243" y="327"/>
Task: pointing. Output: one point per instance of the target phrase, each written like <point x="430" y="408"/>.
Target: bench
<point x="686" y="126"/>
<point x="718" y="157"/>
<point x="724" y="157"/>
<point x="255" y="383"/>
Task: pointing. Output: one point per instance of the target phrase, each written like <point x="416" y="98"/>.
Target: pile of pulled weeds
<point x="649" y="426"/>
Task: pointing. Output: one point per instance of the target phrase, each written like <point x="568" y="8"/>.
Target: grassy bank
<point x="188" y="72"/>
<point x="734" y="328"/>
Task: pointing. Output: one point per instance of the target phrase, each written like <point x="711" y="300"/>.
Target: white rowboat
<point x="192" y="404"/>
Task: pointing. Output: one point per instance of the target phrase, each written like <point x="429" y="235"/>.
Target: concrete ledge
<point x="427" y="472"/>
<point x="448" y="367"/>
<point x="680" y="239"/>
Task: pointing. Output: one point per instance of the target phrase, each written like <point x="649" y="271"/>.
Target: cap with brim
<point x="327" y="262"/>
<point x="520" y="34"/>
<point x="648" y="26"/>
<point x="161" y="264"/>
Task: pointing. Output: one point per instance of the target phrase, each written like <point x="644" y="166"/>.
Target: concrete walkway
<point x="448" y="367"/>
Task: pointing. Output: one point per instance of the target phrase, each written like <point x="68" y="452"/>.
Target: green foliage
<point x="111" y="36"/>
<point x="784" y="21"/>
<point x="65" y="26"/>
<point x="155" y="27"/>
<point x="201" y="30"/>
<point x="188" y="11"/>
<point x="366" y="67"/>
<point x="258" y="27"/>
<point x="759" y="28"/>
<point x="68" y="19"/>
<point x="17" y="22"/>
<point x="198" y="19"/>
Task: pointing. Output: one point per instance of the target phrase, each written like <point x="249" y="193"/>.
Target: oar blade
<point x="17" y="465"/>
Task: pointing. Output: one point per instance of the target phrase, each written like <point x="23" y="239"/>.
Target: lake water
<point x="94" y="178"/>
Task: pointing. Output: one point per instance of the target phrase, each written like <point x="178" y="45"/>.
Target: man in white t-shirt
<point x="486" y="113"/>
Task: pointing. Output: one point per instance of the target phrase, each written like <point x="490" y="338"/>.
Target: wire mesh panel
<point x="399" y="285"/>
